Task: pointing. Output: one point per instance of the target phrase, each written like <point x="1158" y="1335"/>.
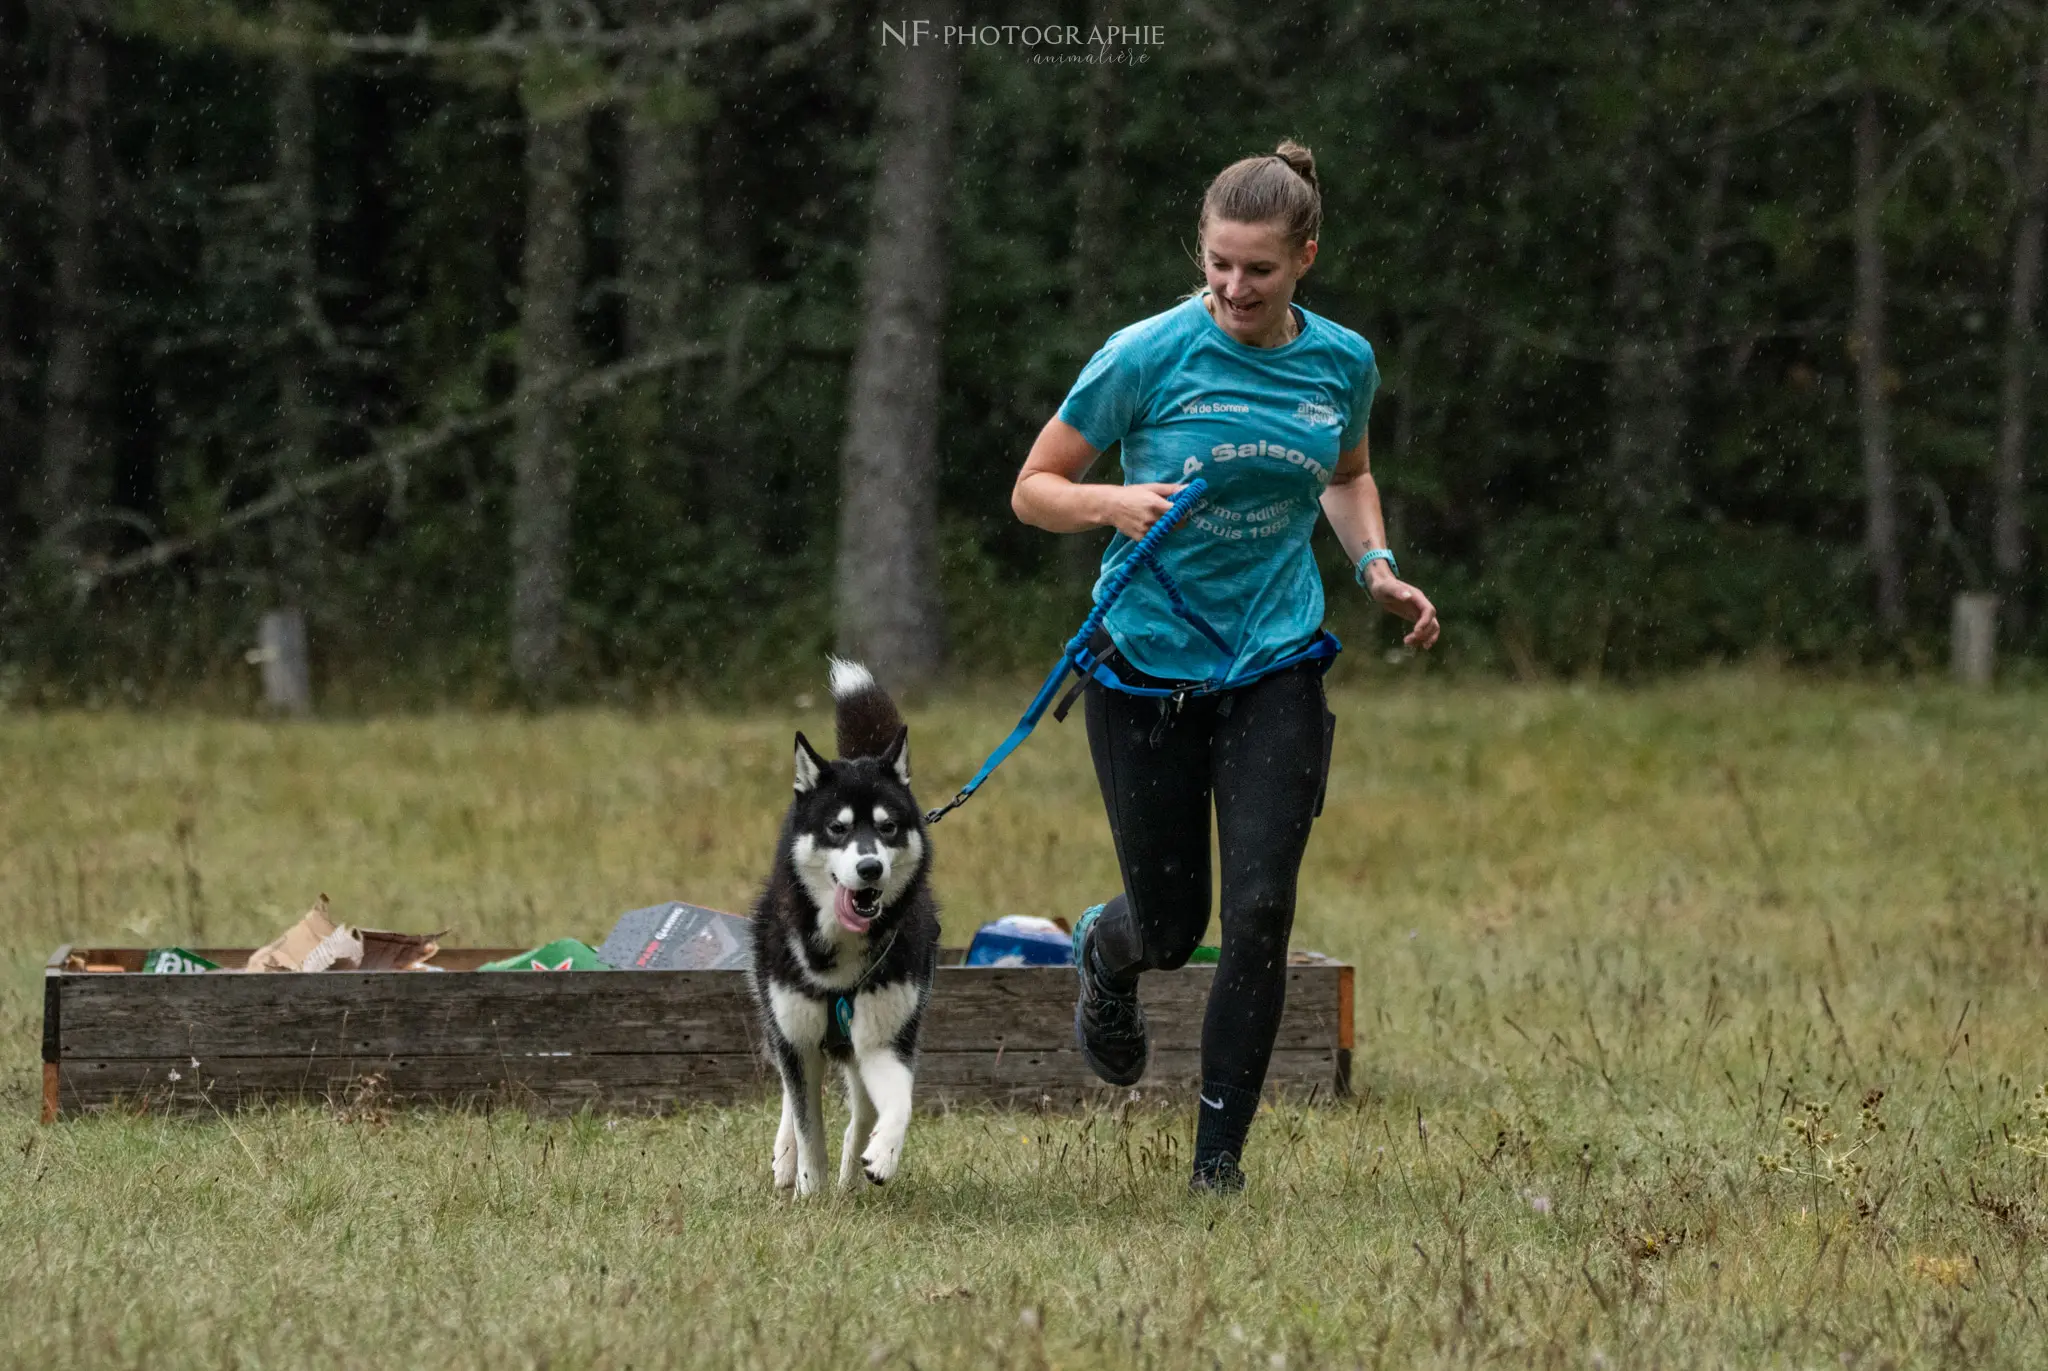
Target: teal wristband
<point x="1378" y="554"/>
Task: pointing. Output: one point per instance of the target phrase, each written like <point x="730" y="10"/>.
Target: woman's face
<point x="1252" y="270"/>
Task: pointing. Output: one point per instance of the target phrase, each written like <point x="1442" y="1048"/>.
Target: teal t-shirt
<point x="1264" y="427"/>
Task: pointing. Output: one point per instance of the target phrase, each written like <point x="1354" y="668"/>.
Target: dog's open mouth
<point x="856" y="909"/>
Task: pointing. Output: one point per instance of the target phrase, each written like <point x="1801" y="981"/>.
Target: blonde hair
<point x="1278" y="187"/>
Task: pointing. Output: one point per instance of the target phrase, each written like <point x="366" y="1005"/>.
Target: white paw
<point x="880" y="1160"/>
<point x="806" y="1182"/>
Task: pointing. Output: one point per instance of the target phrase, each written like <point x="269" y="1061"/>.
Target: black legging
<point x="1261" y="751"/>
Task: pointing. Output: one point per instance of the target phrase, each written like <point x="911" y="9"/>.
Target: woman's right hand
<point x="1133" y="509"/>
<point x="1049" y="493"/>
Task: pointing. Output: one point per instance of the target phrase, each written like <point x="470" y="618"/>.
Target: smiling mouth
<point x="856" y="909"/>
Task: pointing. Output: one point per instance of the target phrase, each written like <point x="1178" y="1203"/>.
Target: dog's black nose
<point x="869" y="868"/>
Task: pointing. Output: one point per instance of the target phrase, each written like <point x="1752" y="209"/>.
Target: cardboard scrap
<point x="314" y="943"/>
<point x="318" y="943"/>
<point x="384" y="950"/>
<point x="678" y="937"/>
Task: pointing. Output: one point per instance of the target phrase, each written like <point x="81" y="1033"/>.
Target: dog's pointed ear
<point x="898" y="756"/>
<point x="809" y="765"/>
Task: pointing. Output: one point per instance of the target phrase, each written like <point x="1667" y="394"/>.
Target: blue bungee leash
<point x="1079" y="655"/>
<point x="1076" y="656"/>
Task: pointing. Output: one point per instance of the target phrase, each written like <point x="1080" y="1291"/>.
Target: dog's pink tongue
<point x="849" y="918"/>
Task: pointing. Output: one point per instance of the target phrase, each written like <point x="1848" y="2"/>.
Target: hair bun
<point x="1252" y="191"/>
<point x="1300" y="159"/>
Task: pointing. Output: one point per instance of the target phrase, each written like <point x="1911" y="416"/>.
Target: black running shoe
<point x="1219" y="1177"/>
<point x="1109" y="1024"/>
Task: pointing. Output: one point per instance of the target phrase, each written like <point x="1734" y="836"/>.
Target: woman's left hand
<point x="1398" y="597"/>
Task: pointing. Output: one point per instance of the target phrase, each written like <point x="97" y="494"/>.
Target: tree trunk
<point x="2008" y="529"/>
<point x="1093" y="265"/>
<point x="1881" y="516"/>
<point x="544" y="453"/>
<point x="1681" y="359"/>
<point x="1095" y="255"/>
<point x="296" y="535"/>
<point x="1652" y="369"/>
<point x="661" y="219"/>
<point x="76" y="475"/>
<point x="662" y="208"/>
<point x="889" y="613"/>
<point x="16" y="445"/>
<point x="1637" y="481"/>
<point x="1642" y="415"/>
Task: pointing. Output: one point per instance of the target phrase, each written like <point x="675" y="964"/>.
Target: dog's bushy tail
<point x="867" y="717"/>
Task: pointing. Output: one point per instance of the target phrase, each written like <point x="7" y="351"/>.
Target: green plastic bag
<point x="175" y="961"/>
<point x="563" y="954"/>
<point x="1205" y="956"/>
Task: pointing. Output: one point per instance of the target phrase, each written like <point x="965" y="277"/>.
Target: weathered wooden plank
<point x="53" y="1029"/>
<point x="376" y="1014"/>
<point x="626" y="1081"/>
<point x="235" y="958"/>
<point x="372" y="1014"/>
<point x="994" y="1075"/>
<point x="991" y="1008"/>
<point x="546" y="1084"/>
<point x="1059" y="1081"/>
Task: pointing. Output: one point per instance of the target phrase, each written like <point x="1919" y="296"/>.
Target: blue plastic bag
<point x="1019" y="940"/>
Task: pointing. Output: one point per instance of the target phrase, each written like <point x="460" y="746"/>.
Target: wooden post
<point x="281" y="652"/>
<point x="1973" y="637"/>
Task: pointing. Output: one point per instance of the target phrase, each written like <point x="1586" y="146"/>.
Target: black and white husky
<point x="845" y="937"/>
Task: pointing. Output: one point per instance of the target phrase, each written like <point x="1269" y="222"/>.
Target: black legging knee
<point x="1260" y="753"/>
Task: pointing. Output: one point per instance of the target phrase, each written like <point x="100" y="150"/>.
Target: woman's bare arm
<point x="1048" y="496"/>
<point x="1351" y="502"/>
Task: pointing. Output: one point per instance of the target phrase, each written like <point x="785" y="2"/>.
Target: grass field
<point x="1633" y="967"/>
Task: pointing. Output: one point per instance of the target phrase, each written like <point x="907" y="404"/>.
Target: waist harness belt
<point x="1090" y="653"/>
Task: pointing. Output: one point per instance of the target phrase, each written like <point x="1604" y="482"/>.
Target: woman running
<point x="1267" y="402"/>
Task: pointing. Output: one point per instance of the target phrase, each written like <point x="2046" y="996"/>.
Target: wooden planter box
<point x="639" y="1041"/>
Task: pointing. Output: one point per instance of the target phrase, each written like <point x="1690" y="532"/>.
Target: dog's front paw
<point x="806" y="1182"/>
<point x="785" y="1167"/>
<point x="880" y="1160"/>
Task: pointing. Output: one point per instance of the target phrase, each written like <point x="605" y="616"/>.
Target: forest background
<point x="617" y="349"/>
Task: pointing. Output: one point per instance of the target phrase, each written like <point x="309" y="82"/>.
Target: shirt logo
<point x="1279" y="452"/>
<point x="1214" y="407"/>
<point x="1316" y="414"/>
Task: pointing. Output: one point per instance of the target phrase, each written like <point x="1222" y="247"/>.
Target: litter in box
<point x="1021" y="940"/>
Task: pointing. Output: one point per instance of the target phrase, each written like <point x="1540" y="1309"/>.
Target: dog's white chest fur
<point x="878" y="1016"/>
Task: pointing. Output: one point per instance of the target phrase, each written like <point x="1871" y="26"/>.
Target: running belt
<point x="1090" y="653"/>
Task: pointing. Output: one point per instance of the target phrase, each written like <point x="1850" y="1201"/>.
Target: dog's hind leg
<point x="862" y="1106"/>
